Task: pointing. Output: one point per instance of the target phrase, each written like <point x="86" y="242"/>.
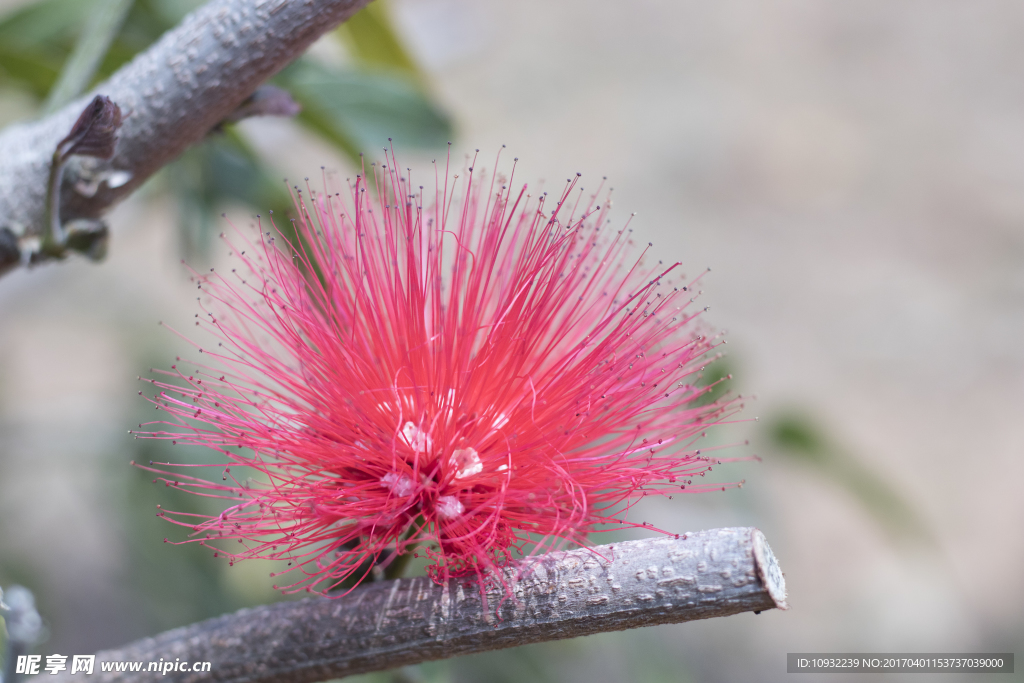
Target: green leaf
<point x="359" y="111"/>
<point x="33" y="71"/>
<point x="715" y="375"/>
<point x="35" y="40"/>
<point x="93" y="43"/>
<point x="221" y="169"/>
<point x="50" y="22"/>
<point x="234" y="171"/>
<point x="796" y="437"/>
<point x="171" y="12"/>
<point x="147" y="21"/>
<point x="371" y="38"/>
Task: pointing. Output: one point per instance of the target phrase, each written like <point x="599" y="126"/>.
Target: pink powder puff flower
<point x="489" y="377"/>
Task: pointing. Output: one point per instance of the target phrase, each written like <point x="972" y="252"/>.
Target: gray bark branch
<point x="406" y="621"/>
<point x="172" y="95"/>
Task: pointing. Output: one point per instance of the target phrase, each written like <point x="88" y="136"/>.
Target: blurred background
<point x="852" y="172"/>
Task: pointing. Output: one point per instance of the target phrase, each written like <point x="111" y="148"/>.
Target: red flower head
<point x="480" y="376"/>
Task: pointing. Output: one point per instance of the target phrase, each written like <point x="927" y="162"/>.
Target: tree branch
<point x="405" y="621"/>
<point x="171" y="95"/>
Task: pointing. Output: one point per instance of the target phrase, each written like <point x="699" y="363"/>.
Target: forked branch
<point x="171" y="96"/>
<point x="405" y="621"/>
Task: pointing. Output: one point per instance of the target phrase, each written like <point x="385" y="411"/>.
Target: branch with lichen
<point x="171" y="96"/>
<point x="388" y="624"/>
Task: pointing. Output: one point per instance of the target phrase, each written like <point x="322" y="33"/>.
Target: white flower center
<point x="467" y="462"/>
<point x="449" y="507"/>
<point x="399" y="484"/>
<point x="417" y="438"/>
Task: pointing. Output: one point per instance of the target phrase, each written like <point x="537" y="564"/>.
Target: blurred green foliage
<point x="716" y="375"/>
<point x="370" y="37"/>
<point x="162" y="573"/>
<point x="91" y="47"/>
<point x="353" y="109"/>
<point x="381" y="94"/>
<point x="796" y="437"/>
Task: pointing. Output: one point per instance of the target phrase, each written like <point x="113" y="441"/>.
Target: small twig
<point x="388" y="624"/>
<point x="268" y="100"/>
<point x="93" y="135"/>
